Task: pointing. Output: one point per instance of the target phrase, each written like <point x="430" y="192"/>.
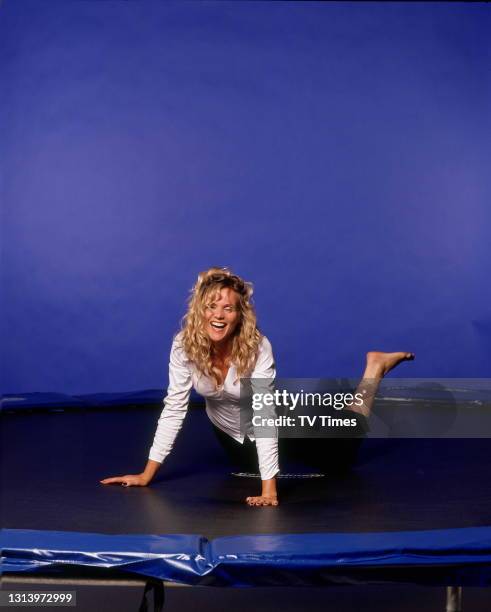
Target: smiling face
<point x="222" y="315"/>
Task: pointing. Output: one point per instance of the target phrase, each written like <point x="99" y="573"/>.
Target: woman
<point x="219" y="343"/>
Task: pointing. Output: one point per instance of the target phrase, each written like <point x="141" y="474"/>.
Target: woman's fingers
<point x="130" y="480"/>
<point x="111" y="480"/>
<point x="262" y="500"/>
<point x="124" y="480"/>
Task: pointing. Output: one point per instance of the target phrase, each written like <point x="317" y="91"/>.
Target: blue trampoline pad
<point x="439" y="557"/>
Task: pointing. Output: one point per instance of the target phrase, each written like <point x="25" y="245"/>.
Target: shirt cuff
<point x="156" y="456"/>
<point x="268" y="474"/>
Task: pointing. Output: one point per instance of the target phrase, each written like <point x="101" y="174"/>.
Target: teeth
<point x="218" y="325"/>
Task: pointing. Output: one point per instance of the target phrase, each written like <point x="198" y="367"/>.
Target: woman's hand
<point x="268" y="497"/>
<point x="131" y="480"/>
<point x="135" y="480"/>
<point x="262" y="500"/>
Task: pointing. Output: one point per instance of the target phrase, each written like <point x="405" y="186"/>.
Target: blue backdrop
<point x="337" y="155"/>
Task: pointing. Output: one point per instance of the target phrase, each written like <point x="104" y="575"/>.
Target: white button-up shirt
<point x="222" y="404"/>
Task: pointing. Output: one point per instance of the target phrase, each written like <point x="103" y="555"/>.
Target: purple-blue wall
<point x="338" y="155"/>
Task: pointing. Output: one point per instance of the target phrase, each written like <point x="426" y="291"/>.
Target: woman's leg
<point x="377" y="366"/>
<point x="337" y="455"/>
<point x="330" y="456"/>
<point x="243" y="457"/>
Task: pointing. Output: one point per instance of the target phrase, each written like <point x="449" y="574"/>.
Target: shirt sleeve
<point x="176" y="404"/>
<point x="267" y="448"/>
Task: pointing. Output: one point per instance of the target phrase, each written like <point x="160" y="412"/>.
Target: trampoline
<point x="411" y="511"/>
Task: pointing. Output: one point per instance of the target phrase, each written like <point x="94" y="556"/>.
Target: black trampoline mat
<point x="52" y="464"/>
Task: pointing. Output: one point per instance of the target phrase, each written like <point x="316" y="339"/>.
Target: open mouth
<point x="217" y="326"/>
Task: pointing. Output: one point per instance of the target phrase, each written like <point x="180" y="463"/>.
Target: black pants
<point x="327" y="455"/>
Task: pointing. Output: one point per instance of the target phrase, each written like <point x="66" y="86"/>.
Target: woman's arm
<point x="170" y="421"/>
<point x="267" y="448"/>
<point x="175" y="404"/>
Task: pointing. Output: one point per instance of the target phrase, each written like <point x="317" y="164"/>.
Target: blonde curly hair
<point x="245" y="341"/>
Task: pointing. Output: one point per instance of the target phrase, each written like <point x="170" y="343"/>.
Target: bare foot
<point x="379" y="364"/>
